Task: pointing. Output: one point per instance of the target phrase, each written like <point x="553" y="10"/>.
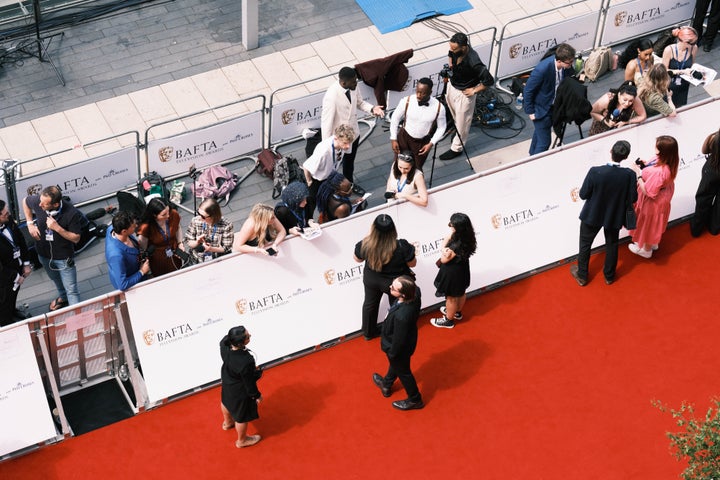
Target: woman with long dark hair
<point x="707" y="209"/>
<point x="386" y="257"/>
<point x="637" y="59"/>
<point x="656" y="186"/>
<point x="406" y="181"/>
<point x="160" y="227"/>
<point x="239" y="394"/>
<point x="453" y="278"/>
<point x="617" y="109"/>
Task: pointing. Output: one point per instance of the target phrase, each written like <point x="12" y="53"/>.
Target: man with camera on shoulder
<point x="127" y="264"/>
<point x="466" y="76"/>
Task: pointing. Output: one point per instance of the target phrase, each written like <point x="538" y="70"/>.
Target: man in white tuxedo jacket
<point x="340" y="105"/>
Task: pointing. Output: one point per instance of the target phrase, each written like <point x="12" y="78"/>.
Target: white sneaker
<point x="654" y="247"/>
<point x="457" y="316"/>
<point x="635" y="248"/>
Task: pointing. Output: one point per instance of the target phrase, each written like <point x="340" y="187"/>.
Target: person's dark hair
<point x="714" y="156"/>
<point x="459" y="38"/>
<point x="2" y="204"/>
<point x="462" y="241"/>
<point x="212" y="209"/>
<point x="628" y="86"/>
<point x="565" y="52"/>
<point x="426" y="81"/>
<point x="378" y="247"/>
<point x="631" y="52"/>
<point x="407" y="156"/>
<point x="53" y="192"/>
<point x="620" y="151"/>
<point x="407" y="287"/>
<point x="668" y="153"/>
<point x="327" y="189"/>
<point x="347" y="73"/>
<point x="236" y="337"/>
<point x="152" y="210"/>
<point x="122" y="221"/>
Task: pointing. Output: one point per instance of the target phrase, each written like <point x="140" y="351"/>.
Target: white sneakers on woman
<point x="637" y="250"/>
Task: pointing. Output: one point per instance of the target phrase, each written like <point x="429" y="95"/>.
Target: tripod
<point x="42" y="47"/>
<point x="441" y="98"/>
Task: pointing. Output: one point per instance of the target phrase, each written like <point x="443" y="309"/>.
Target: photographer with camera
<point x="465" y="76"/>
<point x="127" y="264"/>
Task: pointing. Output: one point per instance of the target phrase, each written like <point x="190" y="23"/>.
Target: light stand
<point x="42" y="47"/>
<point x="194" y="174"/>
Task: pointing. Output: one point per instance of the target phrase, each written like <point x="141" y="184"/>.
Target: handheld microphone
<point x="615" y="115"/>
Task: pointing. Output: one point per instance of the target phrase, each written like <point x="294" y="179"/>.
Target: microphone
<point x="615" y="115"/>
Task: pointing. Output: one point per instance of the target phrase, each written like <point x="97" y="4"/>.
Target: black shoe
<point x="609" y="281"/>
<point x="450" y="154"/>
<point x="574" y="272"/>
<point x="378" y="380"/>
<point x="358" y="190"/>
<point x="707" y="47"/>
<point x="408" y="405"/>
<point x="20" y="314"/>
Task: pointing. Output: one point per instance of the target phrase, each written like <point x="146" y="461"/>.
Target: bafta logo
<point x="241" y="306"/>
<point x="149" y="337"/>
<point x="515" y="50"/>
<point x="329" y="276"/>
<point x="575" y="194"/>
<point x="35" y="189"/>
<point x="165" y="154"/>
<point x="496" y="221"/>
<point x="287" y="116"/>
<point x="620" y="18"/>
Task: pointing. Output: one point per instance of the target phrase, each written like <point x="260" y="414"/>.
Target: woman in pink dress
<point x="656" y="185"/>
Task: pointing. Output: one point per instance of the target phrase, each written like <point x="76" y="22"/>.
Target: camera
<point x="446" y="71"/>
<point x="640" y="163"/>
<point x="697" y="75"/>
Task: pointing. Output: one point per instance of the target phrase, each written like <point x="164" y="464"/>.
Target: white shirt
<point x="419" y="119"/>
<point x="323" y="160"/>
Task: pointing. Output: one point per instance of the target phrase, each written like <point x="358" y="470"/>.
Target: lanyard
<point x="166" y="237"/>
<point x="212" y="235"/>
<point x="336" y="160"/>
<point x="677" y="54"/>
<point x="400" y="186"/>
<point x="300" y="219"/>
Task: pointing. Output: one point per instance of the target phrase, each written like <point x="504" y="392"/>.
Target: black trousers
<point x="587" y="235"/>
<point x="8" y="298"/>
<point x="701" y="8"/>
<point x="349" y="161"/>
<point x="707" y="210"/>
<point x="375" y="285"/>
<point x="400" y="368"/>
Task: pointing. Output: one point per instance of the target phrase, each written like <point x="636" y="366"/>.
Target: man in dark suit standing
<point x="539" y="93"/>
<point x="398" y="341"/>
<point x="608" y="190"/>
<point x="14" y="265"/>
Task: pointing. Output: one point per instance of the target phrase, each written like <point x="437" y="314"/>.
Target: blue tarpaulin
<point x="391" y="15"/>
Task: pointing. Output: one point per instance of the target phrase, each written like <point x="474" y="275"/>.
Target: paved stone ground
<point x="159" y="43"/>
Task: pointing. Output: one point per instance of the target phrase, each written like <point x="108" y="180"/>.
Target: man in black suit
<point x="608" y="190"/>
<point x="398" y="341"/>
<point x="14" y="265"/>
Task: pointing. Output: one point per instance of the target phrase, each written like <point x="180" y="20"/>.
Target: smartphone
<point x="389" y="195"/>
<point x="271" y="251"/>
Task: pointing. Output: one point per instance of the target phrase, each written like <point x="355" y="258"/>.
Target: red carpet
<point x="543" y="380"/>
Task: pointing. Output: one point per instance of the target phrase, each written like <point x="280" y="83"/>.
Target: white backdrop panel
<point x="24" y="411"/>
<point x="636" y="18"/>
<point x="218" y="143"/>
<point x="525" y="217"/>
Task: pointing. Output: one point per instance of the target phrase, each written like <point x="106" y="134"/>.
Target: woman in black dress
<point x="386" y="257"/>
<point x="453" y="278"/>
<point x="707" y="198"/>
<point x="240" y="395"/>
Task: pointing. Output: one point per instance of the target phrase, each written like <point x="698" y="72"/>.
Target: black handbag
<point x="630" y="218"/>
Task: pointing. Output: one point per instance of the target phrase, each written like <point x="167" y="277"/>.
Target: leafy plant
<point x="698" y="441"/>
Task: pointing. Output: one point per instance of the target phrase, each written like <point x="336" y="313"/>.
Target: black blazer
<point x="607" y="191"/>
<point x="9" y="266"/>
<point x="400" y="331"/>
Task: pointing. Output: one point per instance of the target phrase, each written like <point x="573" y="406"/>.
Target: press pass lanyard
<point x="400" y="186"/>
<point x="300" y="218"/>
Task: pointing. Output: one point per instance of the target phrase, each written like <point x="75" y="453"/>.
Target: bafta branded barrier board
<point x="636" y="18"/>
<point x="525" y="216"/>
<point x="24" y="412"/>
<point x="222" y="141"/>
<point x="520" y="53"/>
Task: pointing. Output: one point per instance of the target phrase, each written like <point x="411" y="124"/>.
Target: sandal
<point x="58" y="303"/>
